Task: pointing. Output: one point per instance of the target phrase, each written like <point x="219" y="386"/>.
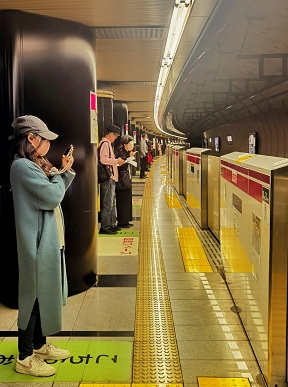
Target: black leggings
<point x="32" y="337"/>
<point x="143" y="165"/>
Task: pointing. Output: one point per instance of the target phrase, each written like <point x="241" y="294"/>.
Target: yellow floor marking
<point x="193" y="254"/>
<point x="223" y="382"/>
<point x="103" y="385"/>
<point x="172" y="201"/>
<point x="157" y="385"/>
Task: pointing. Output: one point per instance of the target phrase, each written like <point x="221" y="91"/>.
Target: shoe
<point x="130" y="224"/>
<point x="52" y="352"/>
<point x="143" y="177"/>
<point x="34" y="365"/>
<point x="115" y="228"/>
<point x="124" y="225"/>
<point x="107" y="231"/>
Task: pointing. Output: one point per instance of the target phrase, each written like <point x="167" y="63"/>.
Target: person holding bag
<point x="107" y="188"/>
<point x="124" y="184"/>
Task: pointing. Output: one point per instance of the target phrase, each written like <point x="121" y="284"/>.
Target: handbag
<point x="124" y="180"/>
<point x="149" y="157"/>
<point x="104" y="172"/>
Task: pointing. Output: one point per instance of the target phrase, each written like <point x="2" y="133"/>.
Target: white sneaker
<point x="34" y="365"/>
<point x="52" y="352"/>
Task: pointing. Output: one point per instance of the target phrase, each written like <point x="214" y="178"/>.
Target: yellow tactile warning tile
<point x="156" y="385"/>
<point x="104" y="385"/>
<point x="223" y="382"/>
<point x="172" y="201"/>
<point x="193" y="254"/>
<point x="164" y="180"/>
<point x="156" y="360"/>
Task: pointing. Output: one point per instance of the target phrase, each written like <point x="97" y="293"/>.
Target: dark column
<point x="120" y="117"/>
<point x="44" y="73"/>
<point x="105" y="110"/>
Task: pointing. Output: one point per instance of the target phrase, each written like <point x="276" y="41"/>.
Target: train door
<point x="214" y="195"/>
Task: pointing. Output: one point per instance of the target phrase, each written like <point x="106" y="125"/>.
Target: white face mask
<point x="43" y="147"/>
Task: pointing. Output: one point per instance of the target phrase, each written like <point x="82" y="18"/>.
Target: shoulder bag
<point x="124" y="180"/>
<point x="104" y="172"/>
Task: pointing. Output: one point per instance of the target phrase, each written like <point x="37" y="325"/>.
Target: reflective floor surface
<point x="155" y="316"/>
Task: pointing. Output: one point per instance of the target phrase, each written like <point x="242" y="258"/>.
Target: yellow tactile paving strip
<point x="104" y="385"/>
<point x="163" y="169"/>
<point x="193" y="254"/>
<point x="223" y="382"/>
<point x="172" y="201"/>
<point x="155" y="357"/>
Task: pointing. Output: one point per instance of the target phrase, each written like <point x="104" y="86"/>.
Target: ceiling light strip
<point x="179" y="18"/>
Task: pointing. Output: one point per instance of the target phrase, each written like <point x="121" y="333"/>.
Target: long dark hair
<point x="24" y="149"/>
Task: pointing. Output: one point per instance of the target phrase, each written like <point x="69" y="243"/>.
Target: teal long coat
<point x="42" y="272"/>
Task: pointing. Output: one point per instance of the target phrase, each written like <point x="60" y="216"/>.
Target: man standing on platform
<point x="143" y="152"/>
<point x="107" y="189"/>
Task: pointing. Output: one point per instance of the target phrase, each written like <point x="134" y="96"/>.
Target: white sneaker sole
<point x="29" y="371"/>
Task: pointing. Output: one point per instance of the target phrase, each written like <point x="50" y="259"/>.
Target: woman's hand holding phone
<point x="67" y="158"/>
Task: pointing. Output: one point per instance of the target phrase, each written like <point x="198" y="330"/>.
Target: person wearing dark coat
<point x="38" y="189"/>
<point x="124" y="196"/>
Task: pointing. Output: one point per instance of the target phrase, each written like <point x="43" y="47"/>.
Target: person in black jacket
<point x="124" y="195"/>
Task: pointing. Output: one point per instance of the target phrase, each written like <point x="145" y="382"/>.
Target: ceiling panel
<point x="229" y="50"/>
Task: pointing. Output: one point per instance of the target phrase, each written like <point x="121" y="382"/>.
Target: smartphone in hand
<point x="68" y="151"/>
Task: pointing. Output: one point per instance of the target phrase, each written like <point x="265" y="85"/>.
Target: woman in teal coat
<point x="38" y="190"/>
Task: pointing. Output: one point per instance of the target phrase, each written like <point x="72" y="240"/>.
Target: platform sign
<point x="93" y="118"/>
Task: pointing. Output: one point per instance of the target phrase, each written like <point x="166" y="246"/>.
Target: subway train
<point x="242" y="198"/>
<point x="216" y="102"/>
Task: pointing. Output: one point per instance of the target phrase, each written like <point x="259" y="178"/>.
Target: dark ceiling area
<point x="237" y="67"/>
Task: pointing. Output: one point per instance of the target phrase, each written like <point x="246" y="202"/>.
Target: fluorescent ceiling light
<point x="178" y="21"/>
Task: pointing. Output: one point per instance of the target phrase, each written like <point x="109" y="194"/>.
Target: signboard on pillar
<point x="126" y="128"/>
<point x="134" y="136"/>
<point x="93" y="118"/>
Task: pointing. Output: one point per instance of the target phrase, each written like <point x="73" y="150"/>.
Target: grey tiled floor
<point x="210" y="338"/>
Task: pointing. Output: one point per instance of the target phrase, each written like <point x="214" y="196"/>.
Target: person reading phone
<point x="107" y="188"/>
<point x="37" y="195"/>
